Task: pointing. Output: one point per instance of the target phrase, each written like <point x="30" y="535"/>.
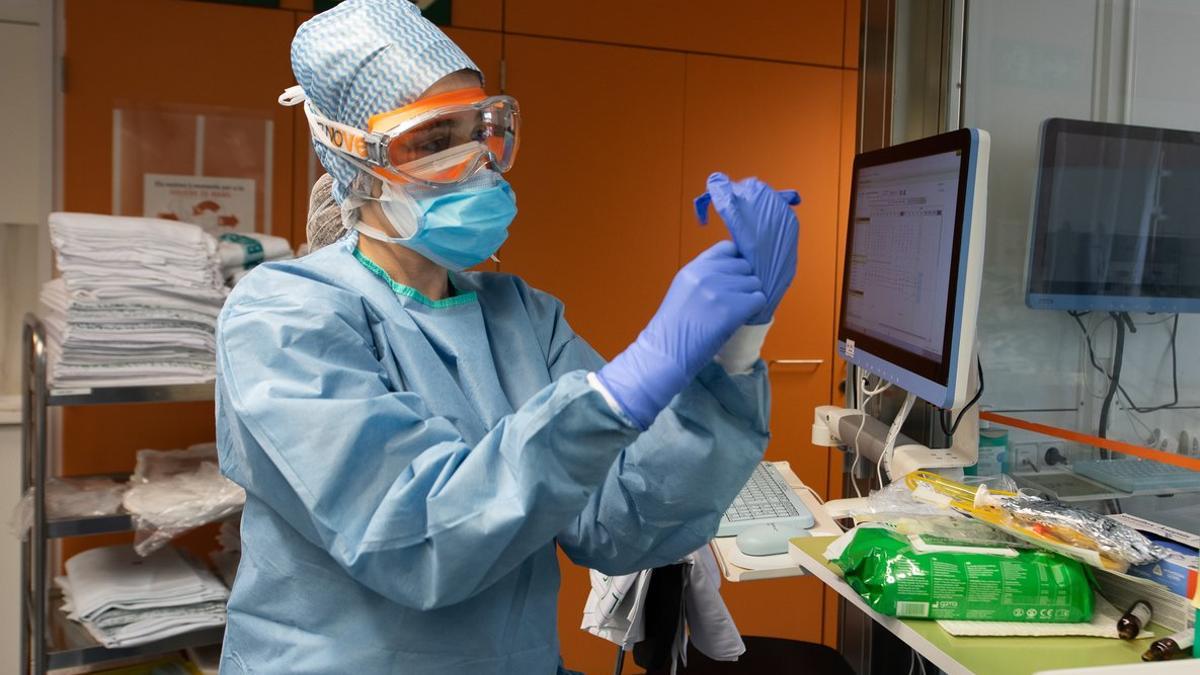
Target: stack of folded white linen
<point x="243" y="251"/>
<point x="137" y="302"/>
<point x="124" y="600"/>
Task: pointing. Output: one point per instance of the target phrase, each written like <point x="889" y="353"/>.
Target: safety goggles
<point x="438" y="140"/>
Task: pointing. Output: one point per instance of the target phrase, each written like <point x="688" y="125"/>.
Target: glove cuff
<point x="741" y="350"/>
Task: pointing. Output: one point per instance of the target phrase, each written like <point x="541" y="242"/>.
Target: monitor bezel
<point x="1043" y="295"/>
<point x="942" y="372"/>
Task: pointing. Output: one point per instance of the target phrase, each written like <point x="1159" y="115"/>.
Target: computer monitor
<point x="914" y="263"/>
<point x="1116" y="219"/>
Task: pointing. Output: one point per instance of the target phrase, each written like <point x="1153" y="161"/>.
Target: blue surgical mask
<point x="455" y="228"/>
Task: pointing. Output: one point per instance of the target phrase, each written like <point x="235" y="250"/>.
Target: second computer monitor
<point x="914" y="263"/>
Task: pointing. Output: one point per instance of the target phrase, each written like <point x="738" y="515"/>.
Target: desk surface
<point x="977" y="655"/>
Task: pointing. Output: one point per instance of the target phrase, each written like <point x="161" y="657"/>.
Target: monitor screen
<point x="902" y="252"/>
<point x="1116" y="219"/>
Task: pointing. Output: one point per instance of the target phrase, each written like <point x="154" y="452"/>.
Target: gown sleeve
<point x="665" y="494"/>
<point x="308" y="426"/>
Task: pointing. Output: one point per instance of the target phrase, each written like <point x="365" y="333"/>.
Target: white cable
<point x="889" y="446"/>
<point x="814" y="494"/>
<point x="863" y="399"/>
<point x="864" y="396"/>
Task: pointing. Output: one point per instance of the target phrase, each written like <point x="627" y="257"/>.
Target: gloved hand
<point x="763" y="227"/>
<point x="710" y="298"/>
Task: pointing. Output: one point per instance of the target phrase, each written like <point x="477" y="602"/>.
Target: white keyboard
<point x="765" y="498"/>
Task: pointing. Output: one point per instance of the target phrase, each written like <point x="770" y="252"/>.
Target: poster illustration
<point x="208" y="201"/>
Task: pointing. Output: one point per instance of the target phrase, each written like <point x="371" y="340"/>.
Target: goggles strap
<point x="355" y="143"/>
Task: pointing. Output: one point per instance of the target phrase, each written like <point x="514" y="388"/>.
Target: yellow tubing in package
<point x="1032" y="586"/>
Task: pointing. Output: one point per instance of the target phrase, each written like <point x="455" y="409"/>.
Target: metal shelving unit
<point x="49" y="640"/>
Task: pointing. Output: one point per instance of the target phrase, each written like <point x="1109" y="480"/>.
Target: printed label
<point x="916" y="610"/>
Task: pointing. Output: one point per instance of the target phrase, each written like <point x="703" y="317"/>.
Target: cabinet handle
<point x="796" y="362"/>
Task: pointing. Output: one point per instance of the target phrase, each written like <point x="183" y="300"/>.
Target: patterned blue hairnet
<point x="365" y="57"/>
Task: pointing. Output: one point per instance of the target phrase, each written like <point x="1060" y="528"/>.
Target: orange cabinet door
<point x="597" y="180"/>
<point x="804" y="31"/>
<point x="597" y="184"/>
<point x="163" y="62"/>
<point x="482" y="14"/>
<point x="782" y="123"/>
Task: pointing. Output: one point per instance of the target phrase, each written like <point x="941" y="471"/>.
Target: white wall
<point x="1116" y="60"/>
<point x="28" y="112"/>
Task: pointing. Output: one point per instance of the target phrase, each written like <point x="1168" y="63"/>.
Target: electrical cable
<point x="1078" y="316"/>
<point x="814" y="494"/>
<point x="865" y="397"/>
<point x="889" y="445"/>
<point x="949" y="429"/>
<point x="1114" y="379"/>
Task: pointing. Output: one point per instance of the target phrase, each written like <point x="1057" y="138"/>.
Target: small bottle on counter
<point x="1135" y="619"/>
<point x="1178" y="646"/>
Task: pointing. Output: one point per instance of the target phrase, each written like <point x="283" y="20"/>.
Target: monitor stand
<point x="840" y="427"/>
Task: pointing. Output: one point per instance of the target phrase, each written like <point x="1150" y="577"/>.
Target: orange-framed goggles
<point x="437" y="140"/>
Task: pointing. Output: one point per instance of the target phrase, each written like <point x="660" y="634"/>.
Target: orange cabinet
<point x="483" y="47"/>
<point x="801" y="31"/>
<point x="483" y="14"/>
<point x="597" y="180"/>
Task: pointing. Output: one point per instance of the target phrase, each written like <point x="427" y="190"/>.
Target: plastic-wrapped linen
<point x="69" y="498"/>
<point x="173" y="491"/>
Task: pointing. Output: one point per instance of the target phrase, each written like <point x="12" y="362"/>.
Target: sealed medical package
<point x="1008" y="584"/>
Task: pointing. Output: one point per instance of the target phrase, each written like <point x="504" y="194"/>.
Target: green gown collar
<point x="410" y="292"/>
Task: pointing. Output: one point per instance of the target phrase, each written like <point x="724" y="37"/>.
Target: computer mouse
<point x="768" y="539"/>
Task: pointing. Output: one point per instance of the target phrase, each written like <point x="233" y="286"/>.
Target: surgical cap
<point x="365" y="57"/>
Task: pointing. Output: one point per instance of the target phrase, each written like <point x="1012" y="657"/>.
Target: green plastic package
<point x="1034" y="586"/>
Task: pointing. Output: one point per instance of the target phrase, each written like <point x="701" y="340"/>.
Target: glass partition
<point x="1093" y="217"/>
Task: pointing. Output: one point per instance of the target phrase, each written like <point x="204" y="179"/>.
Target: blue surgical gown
<point x="409" y="466"/>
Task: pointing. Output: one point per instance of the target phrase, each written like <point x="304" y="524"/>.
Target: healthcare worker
<point x="415" y="440"/>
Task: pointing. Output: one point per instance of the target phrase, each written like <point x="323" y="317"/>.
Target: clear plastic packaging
<point x="69" y="498"/>
<point x="899" y="499"/>
<point x="1085" y="536"/>
<point x="173" y="491"/>
<point x="1083" y="529"/>
<point x="927" y="513"/>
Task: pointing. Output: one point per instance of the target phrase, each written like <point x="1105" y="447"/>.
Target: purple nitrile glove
<point x="710" y="298"/>
<point x="764" y="228"/>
